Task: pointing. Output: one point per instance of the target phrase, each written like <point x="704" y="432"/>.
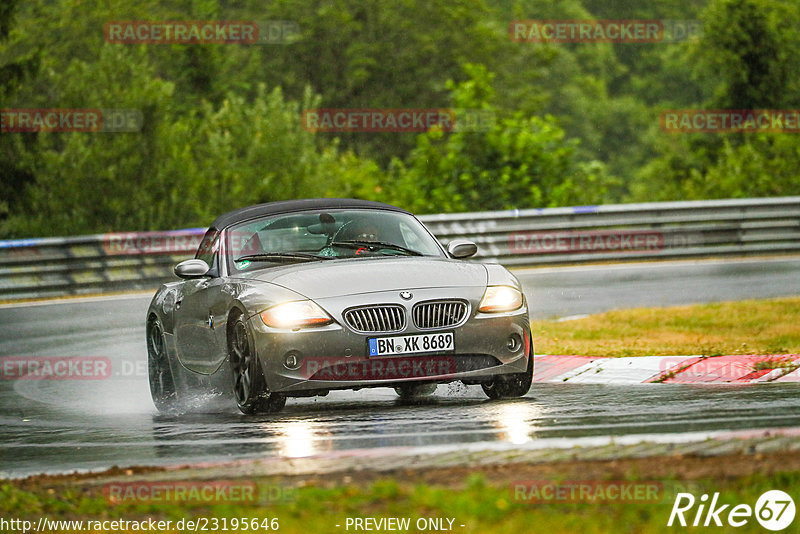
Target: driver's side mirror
<point x="189" y="269"/>
<point x="461" y="248"/>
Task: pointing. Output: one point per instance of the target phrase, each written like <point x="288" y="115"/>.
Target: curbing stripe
<point x="617" y="371"/>
<point x="731" y="368"/>
<point x="549" y="368"/>
<point x="794" y="376"/>
<point x="738" y="368"/>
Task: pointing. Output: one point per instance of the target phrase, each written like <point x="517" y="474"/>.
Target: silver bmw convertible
<point x="297" y="298"/>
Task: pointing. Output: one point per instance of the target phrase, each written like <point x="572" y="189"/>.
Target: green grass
<point x="478" y="505"/>
<point x="770" y="326"/>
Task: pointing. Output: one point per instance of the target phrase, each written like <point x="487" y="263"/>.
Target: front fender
<point x="255" y="296"/>
<point x="163" y="305"/>
<point x="500" y="276"/>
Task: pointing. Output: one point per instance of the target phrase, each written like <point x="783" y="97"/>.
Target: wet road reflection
<point x="35" y="440"/>
<point x="61" y="426"/>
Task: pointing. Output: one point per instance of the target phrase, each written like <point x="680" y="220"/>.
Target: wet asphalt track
<point x="58" y="426"/>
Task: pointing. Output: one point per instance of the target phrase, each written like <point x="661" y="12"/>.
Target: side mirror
<point x="461" y="248"/>
<point x="191" y="269"/>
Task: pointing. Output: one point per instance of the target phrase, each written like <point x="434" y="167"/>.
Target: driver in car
<point x="353" y="231"/>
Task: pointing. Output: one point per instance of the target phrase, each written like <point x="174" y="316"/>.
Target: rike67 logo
<point x="774" y="510"/>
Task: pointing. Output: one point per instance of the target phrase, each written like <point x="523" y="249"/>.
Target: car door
<point x="199" y="314"/>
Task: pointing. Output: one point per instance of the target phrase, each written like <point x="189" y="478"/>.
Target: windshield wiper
<point x="281" y="257"/>
<point x="356" y="243"/>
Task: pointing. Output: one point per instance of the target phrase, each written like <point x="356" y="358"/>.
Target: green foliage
<point x="747" y="55"/>
<point x="94" y="181"/>
<point x="11" y="74"/>
<point x="751" y="47"/>
<point x="519" y="161"/>
<point x="372" y="54"/>
<point x="764" y="165"/>
<point x="575" y="123"/>
<point x="183" y="170"/>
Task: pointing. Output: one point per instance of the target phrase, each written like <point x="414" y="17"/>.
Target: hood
<point x="333" y="278"/>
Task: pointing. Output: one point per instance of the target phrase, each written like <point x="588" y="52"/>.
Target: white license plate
<point x="383" y="346"/>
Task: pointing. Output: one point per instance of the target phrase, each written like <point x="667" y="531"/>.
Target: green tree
<point x="747" y="58"/>
<point x="750" y="49"/>
<point x="519" y="162"/>
<point x="13" y="70"/>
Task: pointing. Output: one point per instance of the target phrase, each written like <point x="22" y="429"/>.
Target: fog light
<point x="514" y="342"/>
<point x="291" y="360"/>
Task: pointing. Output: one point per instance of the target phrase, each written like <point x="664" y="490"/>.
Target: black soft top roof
<point x="288" y="206"/>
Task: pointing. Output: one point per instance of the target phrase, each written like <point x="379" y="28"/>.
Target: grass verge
<point x="769" y="326"/>
<point x="482" y="499"/>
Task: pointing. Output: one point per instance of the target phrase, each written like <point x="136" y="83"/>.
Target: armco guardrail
<point x="663" y="230"/>
<point x="658" y="230"/>
<point x="57" y="266"/>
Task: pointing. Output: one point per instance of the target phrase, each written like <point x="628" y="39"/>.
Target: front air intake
<point x="377" y="319"/>
<point x="437" y="314"/>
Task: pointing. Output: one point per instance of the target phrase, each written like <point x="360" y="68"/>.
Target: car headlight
<point x="295" y="314"/>
<point x="500" y="299"/>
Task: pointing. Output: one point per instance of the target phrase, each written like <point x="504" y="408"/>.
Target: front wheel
<point x="511" y="385"/>
<point x="249" y="385"/>
<point x="159" y="372"/>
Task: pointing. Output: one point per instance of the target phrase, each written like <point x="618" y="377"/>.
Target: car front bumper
<point x="336" y="357"/>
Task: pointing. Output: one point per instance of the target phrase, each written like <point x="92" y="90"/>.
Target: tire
<point x="511" y="385"/>
<point x="159" y="372"/>
<point x="411" y="391"/>
<point x="249" y="385"/>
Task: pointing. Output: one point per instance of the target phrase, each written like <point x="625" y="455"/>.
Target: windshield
<point x="327" y="234"/>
